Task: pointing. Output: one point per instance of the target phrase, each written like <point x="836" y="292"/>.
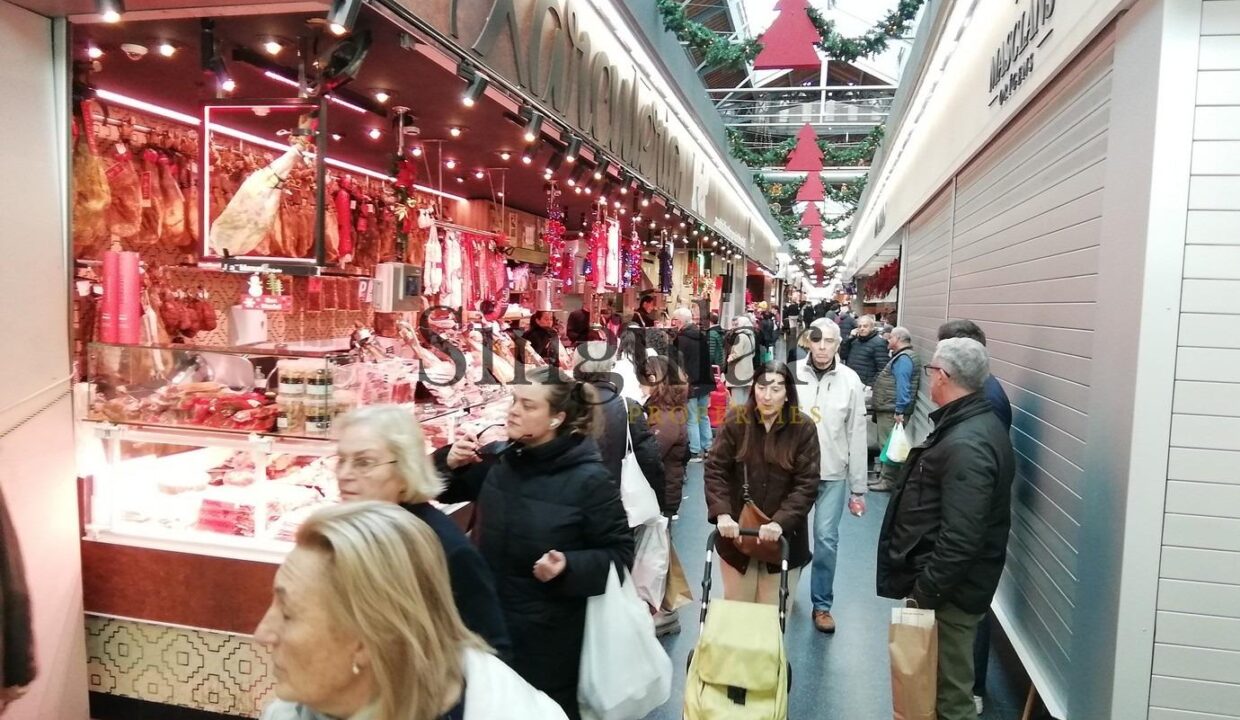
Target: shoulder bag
<point x="753" y="518"/>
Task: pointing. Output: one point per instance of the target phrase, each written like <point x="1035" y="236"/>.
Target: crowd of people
<point x="387" y="609"/>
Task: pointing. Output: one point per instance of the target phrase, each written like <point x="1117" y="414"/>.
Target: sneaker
<point x="666" y="623"/>
<point x="695" y="458"/>
<point x="883" y="485"/>
<point x="979" y="704"/>
<point x="823" y="622"/>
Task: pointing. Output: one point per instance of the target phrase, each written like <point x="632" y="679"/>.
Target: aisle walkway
<point x="840" y="677"/>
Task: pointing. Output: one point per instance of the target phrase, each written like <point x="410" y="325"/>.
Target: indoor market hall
<point x="620" y="360"/>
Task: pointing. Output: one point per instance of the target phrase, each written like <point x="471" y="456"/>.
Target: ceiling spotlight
<point x="600" y="171"/>
<point x="375" y="133"/>
<point x="455" y="132"/>
<point x="505" y="156"/>
<point x="450" y="164"/>
<point x="578" y="176"/>
<point x="500" y="194"/>
<point x="167" y="49"/>
<point x="589" y="190"/>
<point x="382" y="96"/>
<point x="527" y="157"/>
<point x="533" y="126"/>
<point x="652" y="225"/>
<point x="623" y="211"/>
<point x="460" y="179"/>
<point x="574" y="149"/>
<point x="227" y="84"/>
<point x="343" y="16"/>
<point x="110" y="10"/>
<point x="416" y="151"/>
<point x="577" y="189"/>
<point x="477" y="86"/>
<point x="682" y="224"/>
<point x="480" y="174"/>
<point x="645" y="202"/>
<point x="337" y="137"/>
<point x="553" y="166"/>
<point x="94" y="52"/>
<point x="273" y="46"/>
<point x="616" y="204"/>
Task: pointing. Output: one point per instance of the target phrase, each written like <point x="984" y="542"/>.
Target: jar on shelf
<point x="290" y="414"/>
<point x="319" y="385"/>
<point x="318" y="418"/>
<point x="292" y="379"/>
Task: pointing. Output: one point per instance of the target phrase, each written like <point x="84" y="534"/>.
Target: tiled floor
<point x="840" y="677"/>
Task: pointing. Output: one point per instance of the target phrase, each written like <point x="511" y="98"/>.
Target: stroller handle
<point x="783" y="575"/>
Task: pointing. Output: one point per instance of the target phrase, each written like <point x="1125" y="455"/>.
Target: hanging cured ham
<point x="125" y="210"/>
<point x="248" y="217"/>
<point x="344" y="222"/>
<point x="173" y="204"/>
<point x="190" y="183"/>
<point x="152" y="202"/>
<point x="91" y="198"/>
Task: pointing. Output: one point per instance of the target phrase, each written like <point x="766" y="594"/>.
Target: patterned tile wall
<point x="200" y="669"/>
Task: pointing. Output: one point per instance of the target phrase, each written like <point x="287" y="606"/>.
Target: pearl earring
<point x="356" y="670"/>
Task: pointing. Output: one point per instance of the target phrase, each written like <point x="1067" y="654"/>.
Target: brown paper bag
<point x="677" y="594"/>
<point x="913" y="643"/>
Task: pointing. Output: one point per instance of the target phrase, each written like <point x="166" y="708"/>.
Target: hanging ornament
<point x="633" y="260"/>
<point x="789" y="43"/>
<point x="815" y="246"/>
<point x="559" y="264"/>
<point x="807" y="155"/>
<point x="812" y="218"/>
<point x="812" y="190"/>
<point x="665" y="264"/>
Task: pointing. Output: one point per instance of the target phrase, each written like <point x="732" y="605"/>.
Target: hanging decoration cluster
<point x="632" y="260"/>
<point x="559" y="264"/>
<point x="795" y="16"/>
<point x="406" y="208"/>
<point x="883" y="281"/>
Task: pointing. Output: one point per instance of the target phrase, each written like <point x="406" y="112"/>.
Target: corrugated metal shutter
<point x="924" y="263"/>
<point x="1024" y="267"/>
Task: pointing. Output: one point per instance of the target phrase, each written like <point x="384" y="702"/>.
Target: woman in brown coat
<point x="772" y="446"/>
<point x="666" y="392"/>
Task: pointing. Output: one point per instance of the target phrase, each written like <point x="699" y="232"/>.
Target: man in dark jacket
<point x="644" y="316"/>
<point x="694" y="358"/>
<point x="895" y="393"/>
<point x="867" y="352"/>
<point x="714" y="338"/>
<point x="543" y="338"/>
<point x="1002" y="408"/>
<point x="944" y="537"/>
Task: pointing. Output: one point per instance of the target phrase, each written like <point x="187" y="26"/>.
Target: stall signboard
<point x="570" y="57"/>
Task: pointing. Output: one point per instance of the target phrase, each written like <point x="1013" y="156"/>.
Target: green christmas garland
<point x="718" y="51"/>
<point x="834" y="155"/>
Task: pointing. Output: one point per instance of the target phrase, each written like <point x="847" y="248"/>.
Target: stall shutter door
<point x="1025" y="248"/>
<point x="923" y="299"/>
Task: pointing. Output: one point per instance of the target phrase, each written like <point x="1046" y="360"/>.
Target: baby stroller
<point x="739" y="670"/>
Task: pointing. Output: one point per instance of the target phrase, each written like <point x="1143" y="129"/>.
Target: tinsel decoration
<point x="718" y="51"/>
<point x="883" y="281"/>
<point x="559" y="265"/>
<point x="594" y="271"/>
<point x="406" y="174"/>
<point x="632" y="275"/>
<point x="665" y="265"/>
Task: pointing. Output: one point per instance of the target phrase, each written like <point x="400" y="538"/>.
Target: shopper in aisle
<point x="623" y="419"/>
<point x="363" y="625"/>
<point x="543" y="337"/>
<point x="832" y="396"/>
<point x="665" y="391"/>
<point x="16" y="636"/>
<point x="867" y="353"/>
<point x="577" y="329"/>
<point x="645" y="315"/>
<point x="739" y="367"/>
<point x="767" y="454"/>
<point x="1002" y="408"/>
<point x="944" y="537"/>
<point x="714" y="337"/>
<point x="550" y="523"/>
<point x="381" y="455"/>
<point x="693" y="355"/>
<point x="895" y="393"/>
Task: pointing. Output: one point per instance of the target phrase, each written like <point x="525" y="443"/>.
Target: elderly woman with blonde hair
<point x="363" y="626"/>
<point x="382" y="455"/>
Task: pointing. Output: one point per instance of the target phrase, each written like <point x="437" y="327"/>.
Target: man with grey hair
<point x="693" y="353"/>
<point x="832" y="397"/>
<point x="944" y="537"/>
<point x="895" y="392"/>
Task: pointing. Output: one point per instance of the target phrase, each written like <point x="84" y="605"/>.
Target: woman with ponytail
<point x="550" y="525"/>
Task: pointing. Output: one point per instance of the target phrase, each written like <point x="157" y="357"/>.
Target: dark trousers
<point x="981" y="654"/>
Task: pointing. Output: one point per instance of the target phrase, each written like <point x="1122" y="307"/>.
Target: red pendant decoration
<point x="815" y="246"/>
<point x="806" y="156"/>
<point x="812" y="190"/>
<point x="812" y="218"/>
<point x="559" y="264"/>
<point x="789" y="43"/>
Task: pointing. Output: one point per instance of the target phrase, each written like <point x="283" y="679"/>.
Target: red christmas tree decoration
<point x="812" y="218"/>
<point x="806" y="156"/>
<point x="815" y="246"/>
<point x="788" y="44"/>
<point x="812" y="190"/>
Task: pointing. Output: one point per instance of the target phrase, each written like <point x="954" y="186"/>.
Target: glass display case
<point x="226" y="451"/>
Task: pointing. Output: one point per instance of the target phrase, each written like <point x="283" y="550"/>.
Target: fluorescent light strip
<point x="180" y="117"/>
<point x="293" y="83"/>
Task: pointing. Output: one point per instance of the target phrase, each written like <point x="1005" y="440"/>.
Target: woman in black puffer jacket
<point x="550" y="526"/>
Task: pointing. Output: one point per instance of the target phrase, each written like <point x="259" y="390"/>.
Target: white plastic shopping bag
<point x="898" y="446"/>
<point x="640" y="503"/>
<point x="650" y="563"/>
<point x="625" y="674"/>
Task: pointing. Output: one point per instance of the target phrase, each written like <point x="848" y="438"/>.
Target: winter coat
<point x="16" y="636"/>
<point x="944" y="537"/>
<point x="492" y="690"/>
<point x="785" y="497"/>
<point x="836" y="404"/>
<point x="694" y="358"/>
<point x="739" y="372"/>
<point x="714" y="337"/>
<point x="473" y="587"/>
<point x="621" y="417"/>
<point x="577" y="328"/>
<point x="544" y="342"/>
<point x="998" y="400"/>
<point x="672" y="435"/>
<point x="556" y="496"/>
<point x="768" y="333"/>
<point x="867" y="355"/>
<point x="895" y="386"/>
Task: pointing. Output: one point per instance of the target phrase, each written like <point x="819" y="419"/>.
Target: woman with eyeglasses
<point x="551" y="523"/>
<point x="381" y="455"/>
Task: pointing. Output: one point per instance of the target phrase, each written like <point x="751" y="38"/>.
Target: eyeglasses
<point x="362" y="465"/>
<point x="928" y="368"/>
